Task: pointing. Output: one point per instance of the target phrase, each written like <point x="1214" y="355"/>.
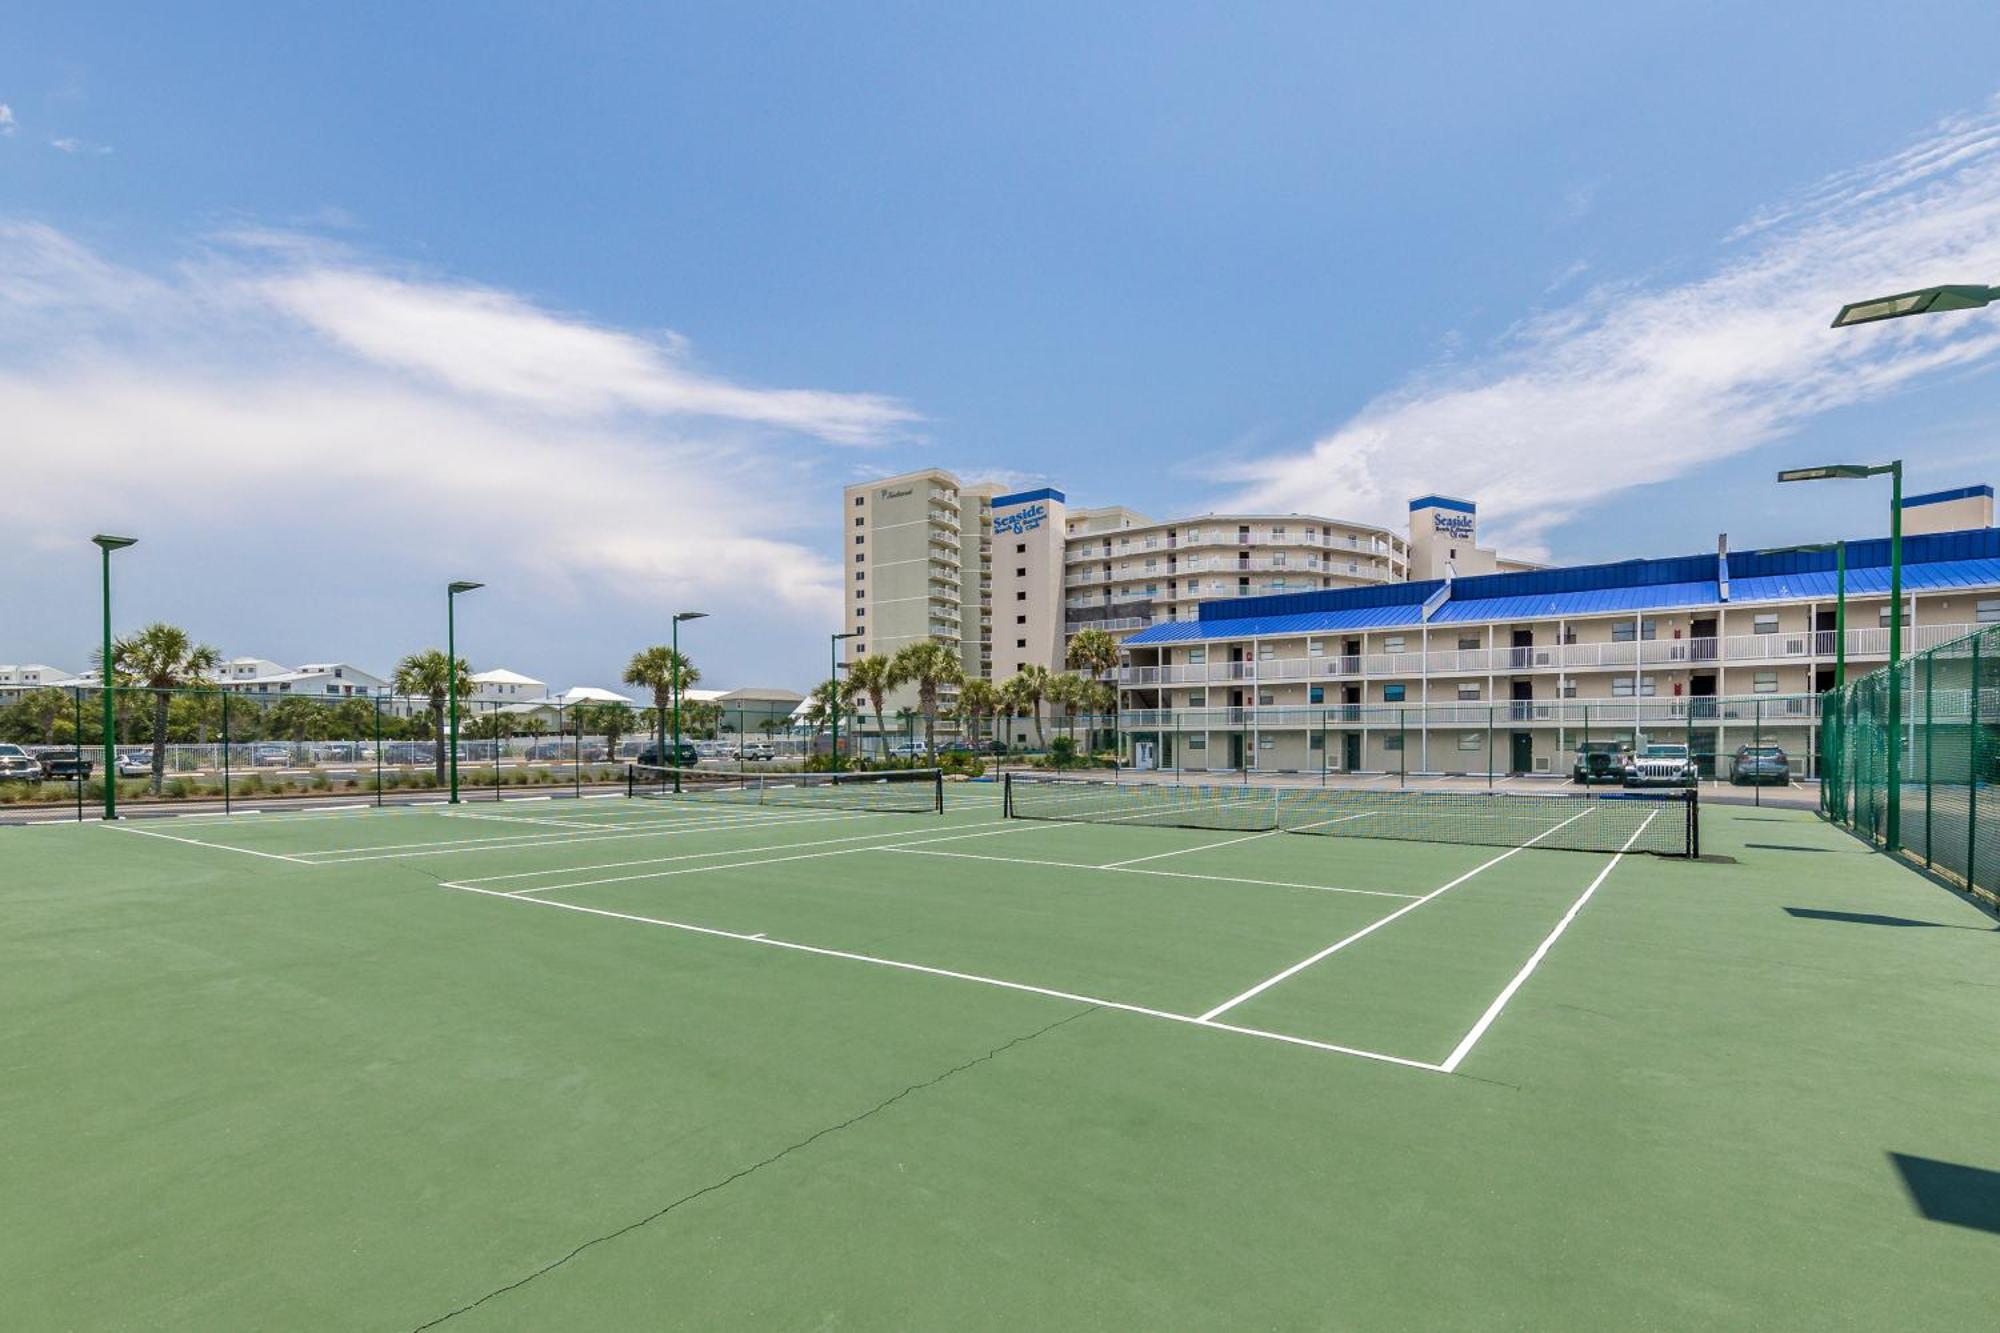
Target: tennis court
<point x="883" y="1054"/>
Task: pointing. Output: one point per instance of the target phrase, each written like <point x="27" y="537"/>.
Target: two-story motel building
<point x="1506" y="672"/>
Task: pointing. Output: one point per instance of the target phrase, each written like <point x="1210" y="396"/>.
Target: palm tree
<point x="607" y="719"/>
<point x="430" y="674"/>
<point x="1103" y="699"/>
<point x="160" y="658"/>
<point x="664" y="672"/>
<point x="868" y="678"/>
<point x="1067" y="692"/>
<point x="929" y="664"/>
<point x="1031" y="685"/>
<point x="976" y="699"/>
<point x="1095" y="652"/>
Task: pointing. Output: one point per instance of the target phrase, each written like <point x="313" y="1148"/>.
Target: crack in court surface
<point x="754" y="1167"/>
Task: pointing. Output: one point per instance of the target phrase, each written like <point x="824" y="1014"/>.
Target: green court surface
<point x="638" y="1064"/>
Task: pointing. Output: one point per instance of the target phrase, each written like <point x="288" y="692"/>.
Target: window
<point x="1020" y="596"/>
<point x="1393" y="644"/>
<point x="1266" y="742"/>
<point x="1392" y="694"/>
<point x="1467" y="643"/>
<point x="1767" y="623"/>
<point x="1197" y="742"/>
<point x="1621" y="687"/>
<point x="858" y="558"/>
<point x="860" y="593"/>
<point x="1197" y="699"/>
<point x="1243" y="587"/>
<point x="1392" y="742"/>
<point x="859" y="540"/>
<point x="1881" y="617"/>
<point x="1624" y="631"/>
<point x="1470" y="740"/>
<point x="1468" y="690"/>
<point x="1266" y="651"/>
<point x="1316" y="740"/>
<point x="859" y="647"/>
<point x="1278" y="560"/>
<point x="1764" y="682"/>
<point x="1196" y="656"/>
<point x="860" y="522"/>
<point x="1020" y="643"/>
<point x="1989" y="612"/>
<point x="1266" y="699"/>
<point x="1021" y="572"/>
<point x="1315" y="694"/>
<point x="860" y="611"/>
<point x="1315" y="648"/>
<point x="858" y="501"/>
<point x="859" y="576"/>
<point x="1020" y="548"/>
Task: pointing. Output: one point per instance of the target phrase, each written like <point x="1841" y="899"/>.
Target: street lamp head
<point x="1929" y="301"/>
<point x="690" y="615"/>
<point x="464" y="586"/>
<point x="1830" y="472"/>
<point x="110" y="543"/>
<point x="849" y="634"/>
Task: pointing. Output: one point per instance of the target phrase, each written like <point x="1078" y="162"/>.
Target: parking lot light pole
<point x="679" y="672"/>
<point x="1893" y="833"/>
<point x="451" y="670"/>
<point x="108" y="544"/>
<point x="833" y="692"/>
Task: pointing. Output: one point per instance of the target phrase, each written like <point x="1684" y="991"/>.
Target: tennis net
<point x="1667" y="824"/>
<point x="896" y="791"/>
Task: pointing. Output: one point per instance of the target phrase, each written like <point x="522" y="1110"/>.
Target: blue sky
<point x="603" y="303"/>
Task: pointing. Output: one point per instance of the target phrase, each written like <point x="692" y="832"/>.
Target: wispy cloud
<point x="8" y="125"/>
<point x="75" y="147"/>
<point x="428" y="415"/>
<point x="1632" y="384"/>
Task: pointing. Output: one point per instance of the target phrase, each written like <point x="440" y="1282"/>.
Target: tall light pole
<point x="451" y="669"/>
<point x="833" y="691"/>
<point x="108" y="544"/>
<point x="1850" y="471"/>
<point x="679" y="616"/>
<point x="1839" y="549"/>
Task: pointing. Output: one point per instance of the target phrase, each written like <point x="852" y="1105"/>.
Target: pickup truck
<point x="63" y="764"/>
<point x="17" y="765"/>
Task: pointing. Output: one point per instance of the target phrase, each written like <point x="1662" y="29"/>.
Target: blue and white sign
<point x="1022" y="520"/>
<point x="1459" y="527"/>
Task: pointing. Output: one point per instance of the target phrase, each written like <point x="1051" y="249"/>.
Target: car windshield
<point x="1763" y="751"/>
<point x="12" y="752"/>
<point x="1666" y="751"/>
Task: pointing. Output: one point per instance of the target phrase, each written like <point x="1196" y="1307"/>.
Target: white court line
<point x="1183" y="851"/>
<point x="694" y="856"/>
<point x="1133" y="870"/>
<point x="1338" y="819"/>
<point x="1471" y="1038"/>
<point x="1371" y="928"/>
<point x="528" y="841"/>
<point x="212" y="846"/>
<point x="975" y="977"/>
<point x="524" y="819"/>
<point x="765" y="861"/>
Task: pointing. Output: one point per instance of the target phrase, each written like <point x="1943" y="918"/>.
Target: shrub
<point x="956" y="763"/>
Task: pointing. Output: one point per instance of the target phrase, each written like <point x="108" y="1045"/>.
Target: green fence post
<point x="225" y="752"/>
<point x="1972" y="775"/>
<point x="1930" y="738"/>
<point x="378" y="749"/>
<point x="76" y="744"/>
<point x="1756" y="744"/>
<point x="1489" y="745"/>
<point x="1402" y="747"/>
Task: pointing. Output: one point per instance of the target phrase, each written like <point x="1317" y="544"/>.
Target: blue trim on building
<point x="1022" y="497"/>
<point x="1443" y="502"/>
<point x="1970" y="558"/>
<point x="1941" y="497"/>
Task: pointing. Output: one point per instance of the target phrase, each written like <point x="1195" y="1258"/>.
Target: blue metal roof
<point x="1022" y="497"/>
<point x="1935" y="560"/>
<point x="1306" y="622"/>
<point x="1940" y="497"/>
<point x="1443" y="502"/>
<point x="1591" y="602"/>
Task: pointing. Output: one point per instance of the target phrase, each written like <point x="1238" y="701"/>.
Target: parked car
<point x="63" y="763"/>
<point x="136" y="765"/>
<point x="1662" y="765"/>
<point x="906" y="749"/>
<point x="756" y="750"/>
<point x="1759" y="763"/>
<point x="273" y="755"/>
<point x="1599" y="761"/>
<point x="17" y="765"/>
<point x="684" y="757"/>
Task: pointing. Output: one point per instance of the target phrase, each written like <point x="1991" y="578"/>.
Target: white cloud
<point x="1633" y="384"/>
<point x="74" y="146"/>
<point x="377" y="419"/>
<point x="8" y="125"/>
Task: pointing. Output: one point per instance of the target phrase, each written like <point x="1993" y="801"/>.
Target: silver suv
<point x="1661" y="766"/>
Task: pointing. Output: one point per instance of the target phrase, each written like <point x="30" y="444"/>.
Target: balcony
<point x="944" y="519"/>
<point x="1118" y="626"/>
<point x="1597" y="715"/>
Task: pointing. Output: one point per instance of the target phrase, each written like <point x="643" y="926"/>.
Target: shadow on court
<point x="1960" y="1196"/>
<point x="1876" y="919"/>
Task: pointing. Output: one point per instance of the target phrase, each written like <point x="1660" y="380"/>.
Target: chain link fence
<point x="1948" y="745"/>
